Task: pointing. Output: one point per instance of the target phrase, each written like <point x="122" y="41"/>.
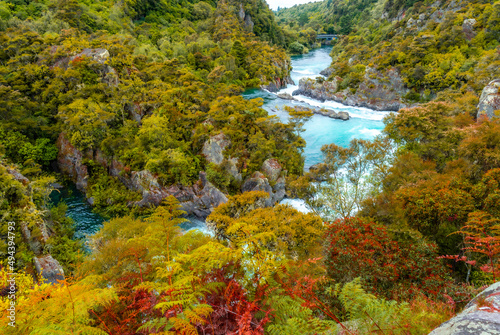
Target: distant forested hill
<point x="427" y="48"/>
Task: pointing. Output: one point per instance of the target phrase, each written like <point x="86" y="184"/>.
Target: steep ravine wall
<point x="198" y="199"/>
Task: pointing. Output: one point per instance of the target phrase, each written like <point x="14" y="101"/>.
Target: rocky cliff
<point x="278" y="83"/>
<point x="199" y="199"/>
<point x="378" y="91"/>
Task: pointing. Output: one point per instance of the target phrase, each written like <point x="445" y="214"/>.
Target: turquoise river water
<point x="320" y="130"/>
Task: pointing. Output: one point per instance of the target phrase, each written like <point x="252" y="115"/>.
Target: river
<point x="364" y="123"/>
<point x="319" y="130"/>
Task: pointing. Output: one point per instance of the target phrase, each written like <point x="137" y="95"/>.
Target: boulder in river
<point x="326" y="72"/>
<point x="325" y="112"/>
<point x="286" y="96"/>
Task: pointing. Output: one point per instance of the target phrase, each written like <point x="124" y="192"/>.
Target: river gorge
<point x="319" y="130"/>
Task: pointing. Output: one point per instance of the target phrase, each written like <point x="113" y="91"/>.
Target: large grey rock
<point x="279" y="190"/>
<point x="135" y="111"/>
<point x="468" y="28"/>
<point x="272" y="169"/>
<point x="246" y="18"/>
<point x="49" y="269"/>
<point x="259" y="182"/>
<point x="476" y="319"/>
<point x="232" y="169"/>
<point x="213" y="148"/>
<point x="285" y="96"/>
<point x="326" y="72"/>
<point x="489" y="102"/>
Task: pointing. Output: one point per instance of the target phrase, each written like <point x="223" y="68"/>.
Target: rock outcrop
<point x="468" y="28"/>
<point x="277" y="84"/>
<point x="108" y="74"/>
<point x="259" y="182"/>
<point x="272" y="169"/>
<point x="246" y="18"/>
<point x="378" y="91"/>
<point x="213" y="148"/>
<point x="69" y="161"/>
<point x="199" y="199"/>
<point x="480" y="316"/>
<point x="326" y="72"/>
<point x="489" y="102"/>
<point x="36" y="234"/>
<point x="49" y="269"/>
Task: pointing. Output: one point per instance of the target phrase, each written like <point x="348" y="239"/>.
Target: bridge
<point x="327" y="37"/>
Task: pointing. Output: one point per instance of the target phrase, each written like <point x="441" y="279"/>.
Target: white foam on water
<point x="307" y="72"/>
<point x="298" y="204"/>
<point x="357" y="112"/>
<point x="370" y="132"/>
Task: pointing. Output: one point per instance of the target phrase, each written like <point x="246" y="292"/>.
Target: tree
<point x="361" y="248"/>
<point x="482" y="243"/>
<point x="239" y="52"/>
<point x="282" y="229"/>
<point x="351" y="174"/>
<point x="87" y="122"/>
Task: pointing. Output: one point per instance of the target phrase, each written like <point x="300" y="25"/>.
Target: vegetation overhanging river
<point x="320" y="130"/>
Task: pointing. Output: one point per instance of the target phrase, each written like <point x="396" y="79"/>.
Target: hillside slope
<point x="135" y="90"/>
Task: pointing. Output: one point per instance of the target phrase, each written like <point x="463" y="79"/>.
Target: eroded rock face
<point x="246" y="18"/>
<point x="378" y="91"/>
<point x="489" y="102"/>
<point x="69" y="161"/>
<point x="277" y="84"/>
<point x="476" y="318"/>
<point x="327" y="72"/>
<point x="49" y="269"/>
<point x="199" y="199"/>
